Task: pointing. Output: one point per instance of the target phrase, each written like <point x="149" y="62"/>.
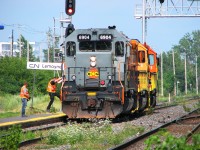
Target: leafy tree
<point x="25" y="47"/>
<point x="13" y="74"/>
<point x="189" y="48"/>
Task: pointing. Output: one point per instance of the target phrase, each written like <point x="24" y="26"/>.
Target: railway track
<point x="140" y="117"/>
<point x="34" y="122"/>
<point x="175" y="103"/>
<point x="186" y="125"/>
<point x="53" y="123"/>
<point x="33" y="125"/>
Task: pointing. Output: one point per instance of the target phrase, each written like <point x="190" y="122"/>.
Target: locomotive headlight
<point x="73" y="77"/>
<point x="92" y="61"/>
<point x="109" y="77"/>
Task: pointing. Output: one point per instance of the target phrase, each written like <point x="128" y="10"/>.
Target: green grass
<point x="90" y="136"/>
<point x="164" y="140"/>
<point x="9" y="114"/>
<point x="10" y="105"/>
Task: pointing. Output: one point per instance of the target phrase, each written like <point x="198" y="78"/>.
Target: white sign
<point x="43" y="66"/>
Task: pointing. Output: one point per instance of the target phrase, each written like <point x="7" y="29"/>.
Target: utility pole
<point x="196" y="78"/>
<point x="161" y="74"/>
<point x="12" y="38"/>
<point x="40" y="52"/>
<point x="174" y="73"/>
<point x="48" y="39"/>
<point x="27" y="51"/>
<point x="54" y="40"/>
<point x="185" y="76"/>
<point x="20" y="48"/>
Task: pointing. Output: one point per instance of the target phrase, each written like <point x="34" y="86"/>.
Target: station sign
<point x="44" y="66"/>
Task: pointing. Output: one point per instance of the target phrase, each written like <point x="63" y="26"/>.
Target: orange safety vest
<point x="24" y="92"/>
<point x="51" y="88"/>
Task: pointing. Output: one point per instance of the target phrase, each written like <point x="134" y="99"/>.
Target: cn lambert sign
<point x="43" y="66"/>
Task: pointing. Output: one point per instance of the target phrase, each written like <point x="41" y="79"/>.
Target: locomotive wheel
<point x="153" y="101"/>
<point x="129" y="105"/>
<point x="143" y="103"/>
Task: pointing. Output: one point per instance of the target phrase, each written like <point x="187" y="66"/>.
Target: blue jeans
<point x="24" y="104"/>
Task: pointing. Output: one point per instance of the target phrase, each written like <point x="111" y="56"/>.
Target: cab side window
<point x="70" y="48"/>
<point x="119" y="48"/>
<point x="151" y="59"/>
<point x="141" y="56"/>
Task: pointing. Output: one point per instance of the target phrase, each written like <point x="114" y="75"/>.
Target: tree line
<point x="186" y="53"/>
<point x="14" y="72"/>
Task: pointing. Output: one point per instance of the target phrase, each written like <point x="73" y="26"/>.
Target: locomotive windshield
<point x="88" y="46"/>
<point x="70" y="48"/>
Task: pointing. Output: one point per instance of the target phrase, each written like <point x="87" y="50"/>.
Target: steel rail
<point x="147" y="134"/>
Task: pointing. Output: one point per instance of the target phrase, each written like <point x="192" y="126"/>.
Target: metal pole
<point x="144" y="22"/>
<point x="177" y="87"/>
<point x="185" y="76"/>
<point x="40" y="53"/>
<point x="27" y="51"/>
<point x="48" y="38"/>
<point x="12" y="44"/>
<point x="33" y="88"/>
<point x="161" y="74"/>
<point x="54" y="40"/>
<point x="196" y="78"/>
<point x="20" y="49"/>
<point x="174" y="73"/>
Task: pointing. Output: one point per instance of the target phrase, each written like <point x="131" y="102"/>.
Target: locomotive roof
<point x="98" y="31"/>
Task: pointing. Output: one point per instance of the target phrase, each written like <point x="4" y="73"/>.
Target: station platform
<point x="31" y="118"/>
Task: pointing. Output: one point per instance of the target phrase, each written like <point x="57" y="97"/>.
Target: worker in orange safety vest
<point x="24" y="95"/>
<point x="51" y="88"/>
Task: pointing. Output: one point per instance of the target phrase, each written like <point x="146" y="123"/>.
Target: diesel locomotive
<point x="107" y="74"/>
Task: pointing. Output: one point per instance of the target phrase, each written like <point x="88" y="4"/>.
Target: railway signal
<point x="69" y="29"/>
<point x="161" y="1"/>
<point x="70" y="7"/>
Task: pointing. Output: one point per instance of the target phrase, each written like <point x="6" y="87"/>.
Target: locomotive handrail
<point x="119" y="78"/>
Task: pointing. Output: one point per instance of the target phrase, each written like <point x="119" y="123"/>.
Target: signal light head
<point x="69" y="29"/>
<point x="70" y="7"/>
<point x="70" y="11"/>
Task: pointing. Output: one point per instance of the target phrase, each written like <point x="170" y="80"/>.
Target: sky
<point x="33" y="18"/>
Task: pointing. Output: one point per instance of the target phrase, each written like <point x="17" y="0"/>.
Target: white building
<point x="6" y="48"/>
